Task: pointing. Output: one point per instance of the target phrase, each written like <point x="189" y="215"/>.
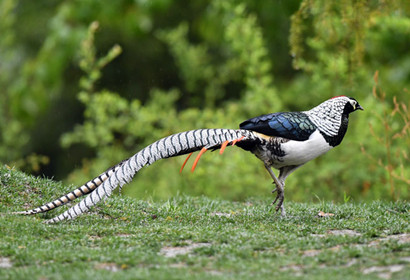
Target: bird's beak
<point x="358" y="107"/>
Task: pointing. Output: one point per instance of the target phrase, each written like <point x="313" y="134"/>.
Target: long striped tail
<point x="174" y="145"/>
<point x="78" y="192"/>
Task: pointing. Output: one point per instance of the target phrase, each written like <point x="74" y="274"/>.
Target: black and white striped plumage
<point x="284" y="141"/>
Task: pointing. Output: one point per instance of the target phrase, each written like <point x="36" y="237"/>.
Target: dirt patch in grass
<point x="94" y="237"/>
<point x="296" y="269"/>
<point x="384" y="272"/>
<point x="313" y="252"/>
<point x="171" y="252"/>
<point x="347" y="232"/>
<point x="401" y="239"/>
<point x="5" y="263"/>
<point x="178" y="265"/>
<point x="110" y="266"/>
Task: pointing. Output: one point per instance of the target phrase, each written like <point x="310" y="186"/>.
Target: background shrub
<point x="85" y="85"/>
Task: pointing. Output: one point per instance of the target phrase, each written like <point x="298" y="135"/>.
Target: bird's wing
<point x="291" y="125"/>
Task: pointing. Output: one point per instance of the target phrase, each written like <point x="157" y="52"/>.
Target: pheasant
<point x="284" y="141"/>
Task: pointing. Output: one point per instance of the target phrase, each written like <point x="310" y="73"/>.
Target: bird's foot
<point x="280" y="197"/>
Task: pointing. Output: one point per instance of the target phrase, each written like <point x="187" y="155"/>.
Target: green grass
<point x="125" y="238"/>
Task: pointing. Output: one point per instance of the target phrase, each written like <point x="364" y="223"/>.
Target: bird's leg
<point x="280" y="189"/>
<point x="284" y="172"/>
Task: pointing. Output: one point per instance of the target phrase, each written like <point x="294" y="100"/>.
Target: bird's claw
<point x="273" y="203"/>
<point x="280" y="197"/>
<point x="280" y="203"/>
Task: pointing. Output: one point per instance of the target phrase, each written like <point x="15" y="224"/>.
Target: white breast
<point x="300" y="152"/>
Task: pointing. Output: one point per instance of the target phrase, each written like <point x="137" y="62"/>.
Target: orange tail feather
<point x="237" y="140"/>
<point x="197" y="158"/>
<point x="186" y="160"/>
<point x="223" y="146"/>
<point x="203" y="150"/>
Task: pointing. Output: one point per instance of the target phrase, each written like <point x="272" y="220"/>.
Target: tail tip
<point x="21" y="213"/>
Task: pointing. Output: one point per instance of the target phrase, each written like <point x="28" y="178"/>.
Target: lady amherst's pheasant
<point x="284" y="141"/>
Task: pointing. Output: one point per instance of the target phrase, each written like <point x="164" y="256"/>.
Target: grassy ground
<point x="199" y="238"/>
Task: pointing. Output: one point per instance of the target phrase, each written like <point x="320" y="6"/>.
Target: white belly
<point x="300" y="152"/>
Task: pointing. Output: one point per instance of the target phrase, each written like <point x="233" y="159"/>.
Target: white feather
<point x="300" y="152"/>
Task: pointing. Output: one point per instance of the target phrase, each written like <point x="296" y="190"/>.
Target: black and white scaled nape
<point x="283" y="141"/>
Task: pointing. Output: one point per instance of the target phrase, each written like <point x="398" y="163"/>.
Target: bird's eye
<point x="353" y="103"/>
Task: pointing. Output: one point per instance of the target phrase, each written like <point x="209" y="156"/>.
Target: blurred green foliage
<point x="86" y="84"/>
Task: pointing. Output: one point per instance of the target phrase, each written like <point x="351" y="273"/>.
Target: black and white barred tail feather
<point x="174" y="145"/>
<point x="80" y="191"/>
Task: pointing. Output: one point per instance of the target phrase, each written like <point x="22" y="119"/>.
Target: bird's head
<point x="332" y="116"/>
<point x="349" y="103"/>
